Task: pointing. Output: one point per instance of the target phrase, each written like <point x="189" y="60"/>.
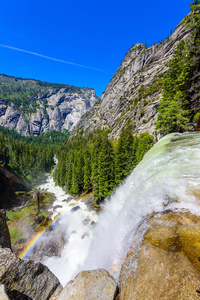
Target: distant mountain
<point x="32" y="107"/>
<point x="135" y="90"/>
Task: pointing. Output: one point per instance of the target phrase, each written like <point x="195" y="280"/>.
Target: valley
<point x="99" y="197"/>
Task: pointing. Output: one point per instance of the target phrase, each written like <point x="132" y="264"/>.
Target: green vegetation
<point x="196" y="117"/>
<point x="28" y="160"/>
<point x="28" y="94"/>
<point x="181" y="89"/>
<point x="96" y="164"/>
<point x="30" y="156"/>
<point x="15" y="233"/>
<point x="29" y="217"/>
<point x="151" y="89"/>
<point x="48" y="138"/>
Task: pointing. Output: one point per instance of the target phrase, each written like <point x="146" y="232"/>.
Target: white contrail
<point x="51" y="58"/>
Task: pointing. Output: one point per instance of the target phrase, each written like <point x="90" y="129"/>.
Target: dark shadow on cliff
<point x="13" y="188"/>
<point x="15" y="295"/>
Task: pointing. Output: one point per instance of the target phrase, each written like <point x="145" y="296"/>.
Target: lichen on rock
<point x="96" y="284"/>
<point x="167" y="260"/>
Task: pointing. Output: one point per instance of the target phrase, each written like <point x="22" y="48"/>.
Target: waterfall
<point x="167" y="178"/>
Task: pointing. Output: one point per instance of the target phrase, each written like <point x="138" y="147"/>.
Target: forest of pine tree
<point x="96" y="164"/>
<point x="28" y="160"/>
<point x="93" y="163"/>
<point x="181" y="89"/>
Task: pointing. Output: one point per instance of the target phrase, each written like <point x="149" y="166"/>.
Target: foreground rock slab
<point x="90" y="285"/>
<point x="166" y="265"/>
<point x="25" y="279"/>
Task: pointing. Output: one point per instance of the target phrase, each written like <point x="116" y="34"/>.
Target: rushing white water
<point x="167" y="178"/>
<point x="78" y="223"/>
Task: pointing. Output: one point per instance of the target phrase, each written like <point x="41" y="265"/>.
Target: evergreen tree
<point x="124" y="157"/>
<point x="173" y="115"/>
<point x="106" y="169"/>
<point x="91" y="164"/>
<point x="95" y="159"/>
<point x="87" y="171"/>
<point x="68" y="176"/>
<point x="145" y="142"/>
<point x="181" y="89"/>
<point x="74" y="190"/>
<point x="193" y="54"/>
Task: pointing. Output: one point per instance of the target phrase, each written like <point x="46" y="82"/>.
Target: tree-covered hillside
<point x="49" y="138"/>
<point x="181" y="89"/>
<point x="28" y="94"/>
<point x="28" y="160"/>
<point x="97" y="164"/>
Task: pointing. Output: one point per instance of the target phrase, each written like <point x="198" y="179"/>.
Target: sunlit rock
<point x="62" y="110"/>
<point x="167" y="264"/>
<point x="122" y="98"/>
<point x="90" y="285"/>
<point x="3" y="295"/>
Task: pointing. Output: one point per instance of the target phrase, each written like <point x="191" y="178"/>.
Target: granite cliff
<point x="135" y="89"/>
<point x="32" y="107"/>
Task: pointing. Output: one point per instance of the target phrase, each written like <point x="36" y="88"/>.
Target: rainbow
<point x="37" y="237"/>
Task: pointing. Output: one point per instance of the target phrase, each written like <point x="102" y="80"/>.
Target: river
<point x="167" y="178"/>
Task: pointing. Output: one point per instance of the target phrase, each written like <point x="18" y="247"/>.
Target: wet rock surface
<point x="26" y="279"/>
<point x="75" y="208"/>
<point x="166" y="264"/>
<point x="90" y="285"/>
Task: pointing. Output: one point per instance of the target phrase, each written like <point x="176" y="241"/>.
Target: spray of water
<point x="167" y="178"/>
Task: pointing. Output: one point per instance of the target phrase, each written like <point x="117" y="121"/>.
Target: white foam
<point x="168" y="177"/>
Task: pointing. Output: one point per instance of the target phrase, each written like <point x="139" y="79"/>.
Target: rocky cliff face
<point x="54" y="108"/>
<point x="23" y="279"/>
<point x="135" y="89"/>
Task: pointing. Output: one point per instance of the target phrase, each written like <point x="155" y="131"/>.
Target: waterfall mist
<point x="167" y="178"/>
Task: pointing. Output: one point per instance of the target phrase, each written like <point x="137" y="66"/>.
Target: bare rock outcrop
<point x="25" y="279"/>
<point x="89" y="285"/>
<point x="166" y="265"/>
<point x="133" y="92"/>
<point x="57" y="109"/>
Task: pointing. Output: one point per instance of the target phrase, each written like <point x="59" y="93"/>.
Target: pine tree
<point x="68" y="175"/>
<point x="173" y="115"/>
<point x="95" y="160"/>
<point x="145" y="142"/>
<point x="124" y="159"/>
<point x="87" y="171"/>
<point x="106" y="169"/>
<point x="193" y="54"/>
<point x="181" y="90"/>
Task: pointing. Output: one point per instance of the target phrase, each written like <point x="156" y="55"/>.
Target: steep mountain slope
<point x="135" y="89"/>
<point x="32" y="107"/>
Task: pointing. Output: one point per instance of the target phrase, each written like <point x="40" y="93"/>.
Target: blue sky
<point x="81" y="42"/>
